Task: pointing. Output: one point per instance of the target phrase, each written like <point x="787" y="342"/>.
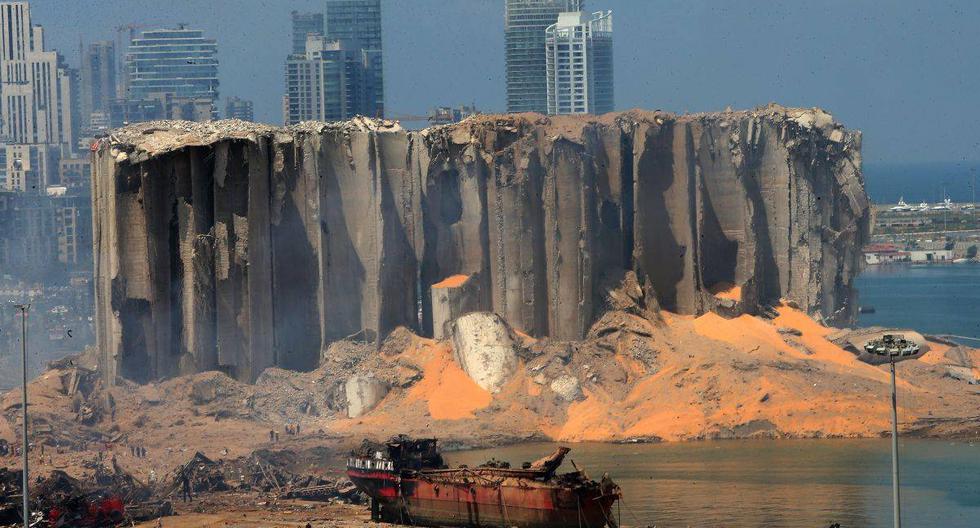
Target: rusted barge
<point x="409" y="483"/>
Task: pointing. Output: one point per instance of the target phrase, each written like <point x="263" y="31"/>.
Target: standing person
<point x="272" y="435"/>
<point x="185" y="483"/>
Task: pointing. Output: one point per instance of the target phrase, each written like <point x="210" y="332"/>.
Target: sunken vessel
<point x="409" y="483"/>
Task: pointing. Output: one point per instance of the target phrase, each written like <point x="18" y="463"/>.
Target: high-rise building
<point x="73" y="227"/>
<point x="176" y="66"/>
<point x="327" y="83"/>
<point x="579" y="63"/>
<point x="236" y="108"/>
<point x="98" y="83"/>
<point x="31" y="167"/>
<point x="359" y="23"/>
<point x="35" y="84"/>
<point x="28" y="240"/>
<point x="305" y="24"/>
<point x="354" y="20"/>
<point x="524" y="24"/>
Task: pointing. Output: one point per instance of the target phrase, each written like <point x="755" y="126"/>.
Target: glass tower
<point x="305" y="24"/>
<point x="98" y="81"/>
<point x="358" y="24"/>
<point x="179" y="63"/>
<point x="524" y="24"/>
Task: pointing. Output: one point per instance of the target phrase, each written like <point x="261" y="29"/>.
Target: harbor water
<point x="930" y="298"/>
<point x="782" y="483"/>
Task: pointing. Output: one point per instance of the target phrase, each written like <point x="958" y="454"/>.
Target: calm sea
<point x="935" y="299"/>
<point x="921" y="182"/>
<point x="791" y="483"/>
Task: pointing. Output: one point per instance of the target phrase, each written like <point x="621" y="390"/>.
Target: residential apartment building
<point x="579" y="63"/>
<point x="236" y="108"/>
<point x="525" y="22"/>
<point x="30" y="167"/>
<point x="28" y="244"/>
<point x="35" y="93"/>
<point x="327" y="83"/>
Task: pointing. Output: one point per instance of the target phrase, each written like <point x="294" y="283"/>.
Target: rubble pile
<point x="10" y="496"/>
<point x="262" y="471"/>
<point x="61" y="500"/>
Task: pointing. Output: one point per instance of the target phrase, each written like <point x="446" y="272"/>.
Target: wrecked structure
<point x="407" y="480"/>
<point x="234" y="246"/>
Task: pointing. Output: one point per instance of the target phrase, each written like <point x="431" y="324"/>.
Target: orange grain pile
<point x="449" y="392"/>
<point x="453" y="281"/>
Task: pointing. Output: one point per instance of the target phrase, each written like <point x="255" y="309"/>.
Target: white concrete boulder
<point x="567" y="388"/>
<point x="485" y="349"/>
<point x="364" y="392"/>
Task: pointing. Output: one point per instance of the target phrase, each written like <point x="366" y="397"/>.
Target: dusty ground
<point x="675" y="379"/>
<point x="232" y="509"/>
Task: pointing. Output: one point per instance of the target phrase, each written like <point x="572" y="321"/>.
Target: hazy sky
<point x="906" y="72"/>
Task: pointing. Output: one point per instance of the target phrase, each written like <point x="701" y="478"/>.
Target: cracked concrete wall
<point x="237" y="246"/>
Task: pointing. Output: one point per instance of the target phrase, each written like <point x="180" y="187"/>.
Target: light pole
<point x="24" y="308"/>
<point x="896" y="503"/>
<point x="892" y="348"/>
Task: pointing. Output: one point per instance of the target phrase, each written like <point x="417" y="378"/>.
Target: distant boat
<point x="901" y="207"/>
<point x="962" y="261"/>
<point x="945" y="206"/>
<point x="921" y="207"/>
<point x="866" y="309"/>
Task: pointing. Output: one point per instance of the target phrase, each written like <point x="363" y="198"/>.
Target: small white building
<point x="931" y="255"/>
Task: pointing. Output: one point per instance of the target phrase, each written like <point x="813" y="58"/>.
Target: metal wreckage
<point x="409" y="483"/>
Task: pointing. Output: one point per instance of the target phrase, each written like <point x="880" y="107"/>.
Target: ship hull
<point x="469" y="499"/>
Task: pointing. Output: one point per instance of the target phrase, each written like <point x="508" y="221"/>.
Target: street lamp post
<point x="896" y="508"/>
<point x="23" y="346"/>
<point x="892" y="348"/>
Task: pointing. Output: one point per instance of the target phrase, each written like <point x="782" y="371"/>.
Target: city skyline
<point x="864" y="64"/>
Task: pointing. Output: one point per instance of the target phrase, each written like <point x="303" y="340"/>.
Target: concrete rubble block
<point x="969" y="375"/>
<point x="485" y="349"/>
<point x="567" y="388"/>
<point x="453" y="297"/>
<point x="364" y="392"/>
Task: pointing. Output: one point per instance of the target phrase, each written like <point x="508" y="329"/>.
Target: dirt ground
<point x="241" y="511"/>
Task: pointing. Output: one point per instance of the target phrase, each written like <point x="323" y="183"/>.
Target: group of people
<point x="291" y="429"/>
<point x="137" y="451"/>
